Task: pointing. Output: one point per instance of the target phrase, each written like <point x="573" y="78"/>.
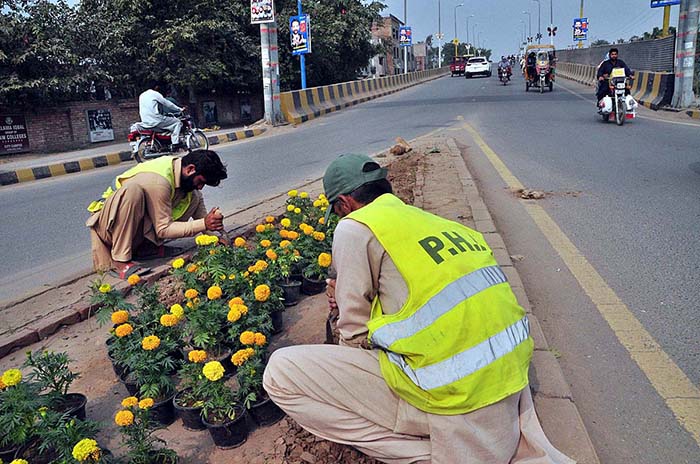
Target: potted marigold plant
<point x="224" y="418"/>
<point x="189" y="398"/>
<point x="315" y="274"/>
<point x="251" y="365"/>
<point x="136" y="427"/>
<point x="19" y="404"/>
<point x="285" y="259"/>
<point x="51" y="373"/>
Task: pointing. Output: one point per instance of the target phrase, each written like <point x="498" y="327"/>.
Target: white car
<point x="477" y="65"/>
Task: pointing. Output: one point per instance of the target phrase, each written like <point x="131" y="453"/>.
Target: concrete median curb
<point x="108" y="159"/>
<point x="695" y="114"/>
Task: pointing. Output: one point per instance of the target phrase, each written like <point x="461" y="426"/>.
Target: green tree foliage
<point x="448" y="52"/>
<point x="599" y="42"/>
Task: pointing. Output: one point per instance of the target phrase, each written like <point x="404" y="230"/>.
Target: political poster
<point x="580" y="29"/>
<point x="405" y="37"/>
<point x="262" y="11"/>
<point x="300" y="34"/>
<point x="660" y="3"/>
<point x="100" y="125"/>
<point x="13" y="134"/>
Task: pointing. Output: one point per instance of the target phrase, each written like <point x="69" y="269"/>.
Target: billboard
<point x="580" y="29"/>
<point x="300" y="34"/>
<point x="100" y="125"/>
<point x="405" y="38"/>
<point x="262" y="11"/>
<point x="13" y="134"/>
<point x="660" y="3"/>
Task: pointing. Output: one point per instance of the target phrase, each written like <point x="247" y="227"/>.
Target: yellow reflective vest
<point x="162" y="166"/>
<point x="461" y="341"/>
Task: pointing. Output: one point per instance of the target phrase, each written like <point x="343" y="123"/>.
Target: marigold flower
<point x="293" y="235"/>
<point x="270" y="219"/>
<point x="260" y="228"/>
<point x="169" y="320"/>
<point x="204" y="240"/>
<point x="297" y="210"/>
<point x="308" y="230"/>
<point x="319" y="236"/>
<point x="247" y="337"/>
<point x="246" y="274"/>
<point x="292" y="193"/>
<point x="303" y="195"/>
<point x="262" y="292"/>
<point x="123" y="330"/>
<point x="286" y="222"/>
<point x="105" y="288"/>
<point x="190" y="305"/>
<point x="120" y="317"/>
<point x="271" y="254"/>
<point x="265" y="243"/>
<point x="191" y="293"/>
<point x="178" y="263"/>
<point x="197" y="356"/>
<point x="133" y="279"/>
<point x="213" y="370"/>
<point x="2" y="387"/>
<point x="86" y="449"/>
<point x="323" y="210"/>
<point x="322" y="220"/>
<point x="214" y="292"/>
<point x="284" y="233"/>
<point x="130" y="402"/>
<point x="285" y="243"/>
<point x="177" y="310"/>
<point x="241" y="356"/>
<point x="192" y="267"/>
<point x="212" y="252"/>
<point x="290" y="208"/>
<point x="150" y="343"/>
<point x="11" y="377"/>
<point x="317" y="203"/>
<point x="239" y="242"/>
<point x="235" y="300"/>
<point x="146" y="403"/>
<point x="260" y="339"/>
<point x="297" y="253"/>
<point x="321" y="196"/>
<point x="232" y="277"/>
<point x="233" y="315"/>
<point x="124" y="418"/>
<point x="260" y="265"/>
<point x="324" y="259"/>
<point x="19" y="461"/>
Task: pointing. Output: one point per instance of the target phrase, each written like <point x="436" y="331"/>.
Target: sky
<point x="498" y="23"/>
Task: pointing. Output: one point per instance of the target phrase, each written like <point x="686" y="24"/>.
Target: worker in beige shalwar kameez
<point x="149" y="203"/>
<point x="434" y="350"/>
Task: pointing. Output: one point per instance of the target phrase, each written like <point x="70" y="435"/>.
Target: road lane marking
<point x="680" y="395"/>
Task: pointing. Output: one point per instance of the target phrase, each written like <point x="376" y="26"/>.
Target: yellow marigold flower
<point x="297" y="253"/>
<point x="235" y="300"/>
<point x="271" y="254"/>
<point x="262" y="292"/>
<point x="133" y="279"/>
<point x="19" y="461"/>
<point x="246" y="274"/>
<point x="146" y="403"/>
<point x="324" y="209"/>
<point x="191" y="293"/>
<point x="324" y="259"/>
<point x="260" y="339"/>
<point x="285" y="243"/>
<point x="192" y="268"/>
<point x="86" y="449"/>
<point x="308" y="230"/>
<point x="169" y="320"/>
<point x="260" y="228"/>
<point x="241" y="356"/>
<point x="297" y="210"/>
<point x="320" y="236"/>
<point x="190" y="305"/>
<point x="233" y="315"/>
<point x="130" y="402"/>
<point x="11" y="377"/>
<point x="177" y="310"/>
<point x="232" y="277"/>
<point x="123" y="330"/>
<point x="105" y="288"/>
<point x="214" y="292"/>
<point x="178" y="263"/>
<point x="292" y="193"/>
<point x="265" y="243"/>
<point x="247" y="337"/>
<point x="284" y="233"/>
<point x="303" y="195"/>
<point x="197" y="356"/>
<point x="212" y="252"/>
<point x="270" y="219"/>
<point x="260" y="265"/>
<point x="239" y="242"/>
<point x="317" y="203"/>
<point x="293" y="235"/>
<point x="286" y="222"/>
<point x="120" y="317"/>
<point x="150" y="343"/>
<point x="243" y="309"/>
<point x="290" y="208"/>
<point x="222" y="276"/>
<point x="204" y="240"/>
<point x="321" y="197"/>
<point x="124" y="418"/>
<point x="213" y="370"/>
<point x="322" y="220"/>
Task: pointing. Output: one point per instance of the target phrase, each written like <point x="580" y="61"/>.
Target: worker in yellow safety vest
<point x="434" y="349"/>
<point x="149" y="203"/>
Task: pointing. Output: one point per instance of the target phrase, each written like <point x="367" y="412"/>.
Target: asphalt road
<point x="627" y="197"/>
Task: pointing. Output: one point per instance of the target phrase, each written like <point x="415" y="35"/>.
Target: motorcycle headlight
<point x="620" y="85"/>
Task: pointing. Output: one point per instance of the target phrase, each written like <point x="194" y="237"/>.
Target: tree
<point x="599" y="43"/>
<point x="448" y="51"/>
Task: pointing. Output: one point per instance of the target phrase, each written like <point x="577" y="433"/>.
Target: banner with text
<point x="300" y="34"/>
<point x="13" y="134"/>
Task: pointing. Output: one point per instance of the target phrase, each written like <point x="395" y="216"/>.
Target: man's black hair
<point x="614" y="50"/>
<point x="208" y="164"/>
<point x="367" y="193"/>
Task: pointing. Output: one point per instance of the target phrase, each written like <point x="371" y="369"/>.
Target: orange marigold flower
<point x="235" y="300"/>
<point x="285" y="243"/>
<point x="146" y="403"/>
<point x="270" y="219"/>
<point x="124" y="418"/>
<point x="120" y="317"/>
<point x="192" y="268"/>
<point x="262" y="292"/>
<point x="260" y="339"/>
<point x="320" y="236"/>
<point x="214" y="292"/>
<point x="247" y="337"/>
<point x="169" y="320"/>
<point x="322" y="220"/>
<point x="265" y="243"/>
<point x="260" y="228"/>
<point x="241" y="356"/>
<point x="233" y="315"/>
<point x="150" y="343"/>
<point x="123" y="330"/>
<point x="324" y="259"/>
<point x="293" y="235"/>
<point x="134" y="279"/>
<point x="239" y="242"/>
<point x="284" y="233"/>
<point x="197" y="356"/>
<point x="270" y="253"/>
<point x="130" y="402"/>
<point x="191" y="293"/>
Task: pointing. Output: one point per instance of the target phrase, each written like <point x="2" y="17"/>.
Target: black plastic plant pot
<point x="129" y="384"/>
<point x="191" y="416"/>
<point x="163" y="411"/>
<point x="73" y="404"/>
<point x="312" y="286"/>
<point x="230" y="434"/>
<point x="277" y="322"/>
<point x="291" y="292"/>
<point x="266" y="412"/>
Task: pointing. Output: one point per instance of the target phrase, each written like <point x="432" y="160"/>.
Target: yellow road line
<point x="679" y="393"/>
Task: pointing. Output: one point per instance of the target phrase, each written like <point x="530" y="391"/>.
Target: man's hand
<point x="601" y="78"/>
<point x="214" y="221"/>
<point x="330" y="293"/>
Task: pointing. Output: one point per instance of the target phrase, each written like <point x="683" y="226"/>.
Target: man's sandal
<point x="129" y="270"/>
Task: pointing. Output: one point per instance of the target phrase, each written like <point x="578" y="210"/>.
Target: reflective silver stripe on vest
<point x="467" y="362"/>
<point x="440" y="304"/>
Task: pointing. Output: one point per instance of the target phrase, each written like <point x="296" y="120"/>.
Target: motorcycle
<point x="149" y="143"/>
<point x="504" y="75"/>
<point x="619" y="104"/>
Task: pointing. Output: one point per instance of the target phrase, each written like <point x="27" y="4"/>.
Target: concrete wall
<point x="647" y="55"/>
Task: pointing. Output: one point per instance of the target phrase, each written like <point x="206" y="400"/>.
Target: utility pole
<point x="686" y="39"/>
<point x="405" y="49"/>
<point x="439" y="38"/>
<point x="580" y="15"/>
<point x="469" y="44"/>
<point x="302" y="57"/>
<point x="529" y="23"/>
<point x="456" y="40"/>
<point x="551" y="23"/>
<point x="667" y="20"/>
<point x="270" y="72"/>
<point x="539" y="20"/>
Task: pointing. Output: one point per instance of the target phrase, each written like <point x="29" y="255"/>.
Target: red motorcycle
<point x="149" y="143"/>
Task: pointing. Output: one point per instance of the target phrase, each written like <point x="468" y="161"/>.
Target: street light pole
<point x="405" y="49"/>
<point x="461" y="4"/>
<point x="439" y="38"/>
<point x="539" y="20"/>
<point x="469" y="43"/>
<point x="529" y="22"/>
<point x="551" y="22"/>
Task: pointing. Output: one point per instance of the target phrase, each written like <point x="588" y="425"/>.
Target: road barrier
<point x="302" y="105"/>
<point x="651" y="89"/>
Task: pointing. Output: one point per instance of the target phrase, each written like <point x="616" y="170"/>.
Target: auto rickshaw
<point x="540" y="75"/>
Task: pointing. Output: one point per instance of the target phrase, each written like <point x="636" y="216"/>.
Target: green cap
<point x="347" y="173"/>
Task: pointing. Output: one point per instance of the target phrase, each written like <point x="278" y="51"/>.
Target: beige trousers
<point x="338" y="393"/>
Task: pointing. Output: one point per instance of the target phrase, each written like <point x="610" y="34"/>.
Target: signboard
<point x="455" y="41"/>
<point x="300" y="34"/>
<point x="580" y="29"/>
<point x="13" y="134"/>
<point x="262" y="11"/>
<point x="100" y="125"/>
<point x="660" y="3"/>
<point x="405" y="37"/>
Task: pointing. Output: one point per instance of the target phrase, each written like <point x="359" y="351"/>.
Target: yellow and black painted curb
<point x="110" y="159"/>
<point x="303" y="105"/>
<point x="651" y="89"/>
<point x="695" y="114"/>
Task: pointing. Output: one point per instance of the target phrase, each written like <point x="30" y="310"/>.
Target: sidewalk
<point x="437" y="182"/>
<point x="32" y="167"/>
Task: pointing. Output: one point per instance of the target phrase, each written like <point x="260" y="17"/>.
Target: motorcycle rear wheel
<point x="148" y="149"/>
<point x="197" y="140"/>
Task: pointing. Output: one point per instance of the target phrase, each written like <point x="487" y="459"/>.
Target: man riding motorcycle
<point x="604" y="71"/>
<point x="504" y="66"/>
<point x="150" y="103"/>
